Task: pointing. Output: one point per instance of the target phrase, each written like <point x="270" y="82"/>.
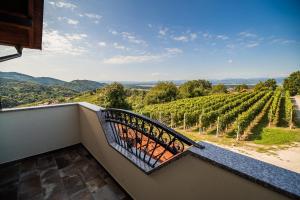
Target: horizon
<point x="171" y="40"/>
<point x="153" y="81"/>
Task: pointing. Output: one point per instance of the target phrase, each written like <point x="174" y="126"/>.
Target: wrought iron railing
<point x="148" y="139"/>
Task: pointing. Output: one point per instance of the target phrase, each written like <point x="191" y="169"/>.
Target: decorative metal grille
<point x="147" y="139"/>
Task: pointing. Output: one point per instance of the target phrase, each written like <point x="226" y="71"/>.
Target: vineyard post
<point x="218" y="126"/>
<point x="200" y="123"/>
<point x="270" y="117"/>
<point x="291" y="119"/>
<point x="238" y="132"/>
<point x="184" y="123"/>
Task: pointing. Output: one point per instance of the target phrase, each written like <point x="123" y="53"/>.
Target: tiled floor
<point x="71" y="173"/>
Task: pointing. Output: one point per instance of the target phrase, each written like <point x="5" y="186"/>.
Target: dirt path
<point x="296" y="100"/>
<point x="288" y="158"/>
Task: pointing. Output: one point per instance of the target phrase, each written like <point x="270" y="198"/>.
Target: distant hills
<point x="76" y="85"/>
<point x="229" y="82"/>
<point x="14" y="93"/>
<point x="17" y="89"/>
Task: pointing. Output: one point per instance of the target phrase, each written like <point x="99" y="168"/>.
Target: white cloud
<point x="68" y="20"/>
<point x="102" y="44"/>
<point x="193" y="36"/>
<point x="131" y="59"/>
<point x="75" y="36"/>
<point x="132" y="38"/>
<point x="61" y="4"/>
<point x="58" y="43"/>
<point x="222" y="37"/>
<point x="229" y="61"/>
<point x="173" y="50"/>
<point x="118" y="46"/>
<point x="93" y="16"/>
<point x="113" y="32"/>
<point x="163" y="31"/>
<point x="282" y="41"/>
<point x="251" y="45"/>
<point x="169" y="52"/>
<point x="247" y="34"/>
<point x="181" y="38"/>
<point x="207" y="35"/>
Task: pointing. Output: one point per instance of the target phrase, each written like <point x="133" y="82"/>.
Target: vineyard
<point x="225" y="114"/>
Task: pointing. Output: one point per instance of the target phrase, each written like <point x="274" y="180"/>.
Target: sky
<point x="139" y="40"/>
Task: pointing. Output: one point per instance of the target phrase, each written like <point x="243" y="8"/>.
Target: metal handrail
<point x="148" y="139"/>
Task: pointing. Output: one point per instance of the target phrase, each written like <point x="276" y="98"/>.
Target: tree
<point x="114" y="96"/>
<point x="292" y="83"/>
<point x="259" y="86"/>
<point x="270" y="84"/>
<point x="220" y="88"/>
<point x="162" y="92"/>
<point x="194" y="88"/>
<point x="136" y="98"/>
<point x="240" y="88"/>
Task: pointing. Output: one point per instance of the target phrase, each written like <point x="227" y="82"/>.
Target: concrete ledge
<point x="270" y="176"/>
<point x="37" y="107"/>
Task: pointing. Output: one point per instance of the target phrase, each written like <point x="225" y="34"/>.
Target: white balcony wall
<point x="26" y="132"/>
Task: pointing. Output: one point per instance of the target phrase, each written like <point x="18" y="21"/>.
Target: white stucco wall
<point x="30" y="131"/>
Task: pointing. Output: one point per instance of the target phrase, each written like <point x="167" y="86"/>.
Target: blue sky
<point x="165" y="40"/>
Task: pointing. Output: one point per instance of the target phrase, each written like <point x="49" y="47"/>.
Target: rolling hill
<point x="77" y="85"/>
<point x="14" y="93"/>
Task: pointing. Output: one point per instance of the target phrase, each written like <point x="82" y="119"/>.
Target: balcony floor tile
<point x="70" y="173"/>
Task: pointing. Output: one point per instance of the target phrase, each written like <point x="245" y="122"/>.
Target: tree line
<point x="115" y="95"/>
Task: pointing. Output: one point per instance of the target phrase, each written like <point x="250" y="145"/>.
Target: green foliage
<point x="289" y="109"/>
<point x="77" y="85"/>
<point x="83" y="85"/>
<point x="162" y="92"/>
<point x="241" y="88"/>
<point x="245" y="118"/>
<point x="114" y="96"/>
<point x="230" y="116"/>
<point x="272" y="136"/>
<point x="220" y="88"/>
<point x="269" y="84"/>
<point x="275" y="107"/>
<point x="194" y="88"/>
<point x="135" y="98"/>
<point x="208" y="107"/>
<point x="292" y="83"/>
<point x="16" y="93"/>
<point x="259" y="86"/>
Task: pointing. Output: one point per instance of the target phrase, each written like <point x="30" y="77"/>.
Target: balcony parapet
<point x="208" y="171"/>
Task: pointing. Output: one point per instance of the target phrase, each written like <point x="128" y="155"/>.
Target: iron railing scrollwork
<point x="148" y="139"/>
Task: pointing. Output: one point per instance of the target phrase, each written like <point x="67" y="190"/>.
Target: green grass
<point x="278" y="136"/>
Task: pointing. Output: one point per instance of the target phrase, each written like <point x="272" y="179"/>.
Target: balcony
<point x="82" y="151"/>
